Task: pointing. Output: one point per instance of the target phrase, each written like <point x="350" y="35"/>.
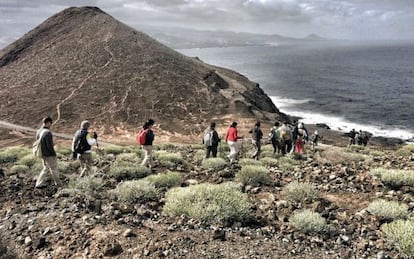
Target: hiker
<point x="274" y="136"/>
<point x="257" y="136"/>
<point x="211" y="140"/>
<point x="358" y="138"/>
<point x="231" y="139"/>
<point x="49" y="159"/>
<point x="147" y="139"/>
<point x="352" y="135"/>
<point x="365" y="139"/>
<point x="315" y="139"/>
<point x="81" y="147"/>
<point x="301" y="137"/>
<point x="285" y="138"/>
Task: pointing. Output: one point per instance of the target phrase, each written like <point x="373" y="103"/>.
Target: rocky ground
<point x="61" y="223"/>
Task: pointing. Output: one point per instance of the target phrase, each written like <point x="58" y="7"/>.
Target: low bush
<point x="254" y="175"/>
<point x="286" y="163"/>
<point x="336" y="155"/>
<point x="19" y="169"/>
<point x="249" y="161"/>
<point x="89" y="185"/>
<point x="128" y="157"/>
<point x="376" y="153"/>
<point x="113" y="149"/>
<point x="199" y="155"/>
<point x="207" y="202"/>
<point x="406" y="150"/>
<point x="401" y="234"/>
<point x="387" y="210"/>
<point x="12" y="154"/>
<point x="64" y="151"/>
<point x="128" y="171"/>
<point x="269" y="161"/>
<point x="395" y="178"/>
<point x="136" y="191"/>
<point x="297" y="192"/>
<point x="29" y="160"/>
<point x="167" y="180"/>
<point x="215" y="163"/>
<point x="169" y="159"/>
<point x="307" y="221"/>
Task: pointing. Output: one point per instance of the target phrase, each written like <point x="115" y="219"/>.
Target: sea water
<point x="365" y="86"/>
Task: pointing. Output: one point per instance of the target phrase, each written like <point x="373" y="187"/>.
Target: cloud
<point x="356" y="19"/>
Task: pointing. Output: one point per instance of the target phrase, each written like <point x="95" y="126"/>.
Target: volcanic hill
<point x="83" y="64"/>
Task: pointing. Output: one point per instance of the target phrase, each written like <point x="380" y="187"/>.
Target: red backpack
<point x="141" y="136"/>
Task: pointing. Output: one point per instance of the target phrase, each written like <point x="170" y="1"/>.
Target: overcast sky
<point x="346" y="19"/>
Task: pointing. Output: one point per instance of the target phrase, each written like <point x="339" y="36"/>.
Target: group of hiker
<point x="284" y="138"/>
<point x="358" y="137"/>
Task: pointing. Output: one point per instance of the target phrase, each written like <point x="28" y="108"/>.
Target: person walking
<point x="274" y="136"/>
<point x="49" y="160"/>
<point x="231" y="139"/>
<point x="301" y="137"/>
<point x="315" y="139"/>
<point x="257" y="136"/>
<point x="148" y="138"/>
<point x="352" y="135"/>
<point x="285" y="138"/>
<point x="81" y="147"/>
<point x="211" y="140"/>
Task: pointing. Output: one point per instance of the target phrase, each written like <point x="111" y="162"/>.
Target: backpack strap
<point x="42" y="134"/>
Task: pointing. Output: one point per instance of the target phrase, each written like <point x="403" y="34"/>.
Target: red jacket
<point x="231" y="134"/>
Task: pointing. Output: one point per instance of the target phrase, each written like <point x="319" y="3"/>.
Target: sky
<point x="341" y="19"/>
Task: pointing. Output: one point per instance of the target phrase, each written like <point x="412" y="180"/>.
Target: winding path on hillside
<point x="106" y="48"/>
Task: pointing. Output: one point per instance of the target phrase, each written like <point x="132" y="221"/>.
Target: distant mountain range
<point x="182" y="38"/>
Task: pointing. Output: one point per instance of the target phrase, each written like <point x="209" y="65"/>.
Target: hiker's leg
<point x="233" y="151"/>
<point x="146" y="156"/>
<point x="214" y="150"/>
<point x="41" y="179"/>
<point x="52" y="165"/>
<point x="86" y="163"/>
<point x="208" y="151"/>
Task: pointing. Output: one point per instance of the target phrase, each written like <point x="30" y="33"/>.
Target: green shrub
<point x="29" y="160"/>
<point x="249" y="161"/>
<point x="168" y="180"/>
<point x="64" y="167"/>
<point x="335" y="155"/>
<point x="286" y="163"/>
<point x="199" y="155"/>
<point x="18" y="151"/>
<point x="86" y="185"/>
<point x="7" y="157"/>
<point x="395" y="178"/>
<point x="64" y="151"/>
<point x="297" y="192"/>
<point x="376" y="153"/>
<point x="215" y="163"/>
<point x="136" y="191"/>
<point x="387" y="210"/>
<point x="270" y="162"/>
<point x="128" y="171"/>
<point x="169" y="159"/>
<point x="207" y="202"/>
<point x="254" y="175"/>
<point x="128" y="157"/>
<point x="113" y="149"/>
<point x="307" y="221"/>
<point x="406" y="150"/>
<point x="401" y="234"/>
<point x="19" y="169"/>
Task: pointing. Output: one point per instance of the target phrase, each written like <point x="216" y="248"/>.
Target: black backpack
<point x="82" y="144"/>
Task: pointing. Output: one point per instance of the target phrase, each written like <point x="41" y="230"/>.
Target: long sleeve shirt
<point x="46" y="143"/>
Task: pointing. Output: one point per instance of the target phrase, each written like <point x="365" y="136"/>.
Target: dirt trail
<point x="106" y="48"/>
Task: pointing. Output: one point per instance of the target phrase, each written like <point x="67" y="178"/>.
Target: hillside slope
<point x="83" y="64"/>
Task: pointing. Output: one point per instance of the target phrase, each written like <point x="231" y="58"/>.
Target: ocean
<point x="367" y="87"/>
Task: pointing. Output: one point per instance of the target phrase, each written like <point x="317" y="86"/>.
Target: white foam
<point x="337" y="123"/>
